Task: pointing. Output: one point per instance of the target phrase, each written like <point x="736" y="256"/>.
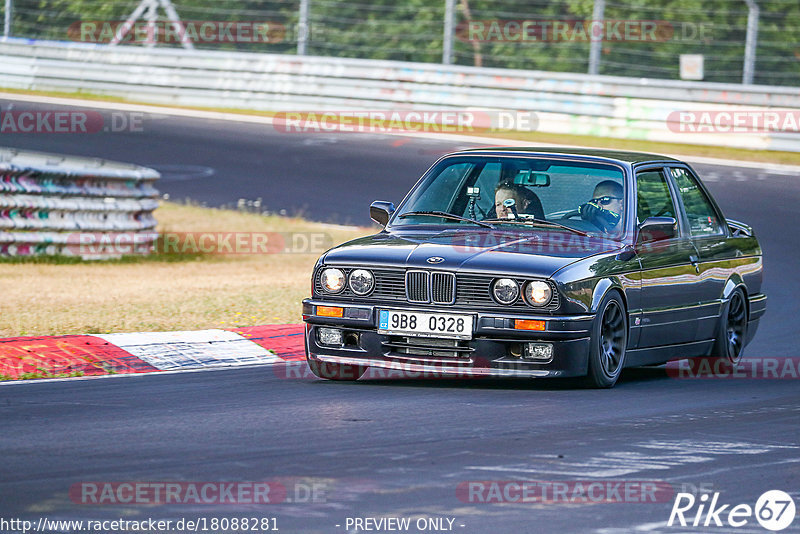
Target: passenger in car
<point x="526" y="201"/>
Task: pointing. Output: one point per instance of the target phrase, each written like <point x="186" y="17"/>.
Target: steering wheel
<point x="570" y="214"/>
<point x="577" y="213"/>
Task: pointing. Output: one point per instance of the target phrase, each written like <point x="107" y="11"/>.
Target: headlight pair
<point x="536" y="293"/>
<point x="360" y="281"/>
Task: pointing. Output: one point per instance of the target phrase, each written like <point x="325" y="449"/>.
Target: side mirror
<point x="380" y="211"/>
<point x="657" y="229"/>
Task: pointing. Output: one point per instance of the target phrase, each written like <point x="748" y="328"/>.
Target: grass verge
<point x="174" y="291"/>
<point x="40" y="374"/>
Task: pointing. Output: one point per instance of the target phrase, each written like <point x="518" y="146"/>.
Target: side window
<point x="446" y="186"/>
<point x="701" y="215"/>
<point x="652" y="197"/>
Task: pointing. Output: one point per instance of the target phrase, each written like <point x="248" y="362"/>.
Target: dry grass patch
<point x="166" y="292"/>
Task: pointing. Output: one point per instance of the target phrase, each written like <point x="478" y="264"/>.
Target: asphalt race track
<point x="401" y="448"/>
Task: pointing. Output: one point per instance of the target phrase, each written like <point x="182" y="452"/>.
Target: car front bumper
<point x="495" y="349"/>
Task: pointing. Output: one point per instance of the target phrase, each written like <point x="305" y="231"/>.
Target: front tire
<point x="336" y="371"/>
<point x="732" y="332"/>
<point x="608" y="343"/>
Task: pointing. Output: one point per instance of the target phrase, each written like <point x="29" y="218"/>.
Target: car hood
<point x="537" y="254"/>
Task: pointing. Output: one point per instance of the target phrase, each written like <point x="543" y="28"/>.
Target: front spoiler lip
<point x="437" y="369"/>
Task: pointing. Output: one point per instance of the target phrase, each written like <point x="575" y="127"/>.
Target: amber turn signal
<point x="520" y="324"/>
<point x="330" y="311"/>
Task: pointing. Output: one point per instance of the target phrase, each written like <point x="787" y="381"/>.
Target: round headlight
<point x="505" y="291"/>
<point x="361" y="281"/>
<point x="538" y="293"/>
<point x="332" y="280"/>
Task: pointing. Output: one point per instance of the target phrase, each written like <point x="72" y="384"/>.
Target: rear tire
<point x="608" y="343"/>
<point x="732" y="330"/>
<point x="336" y="371"/>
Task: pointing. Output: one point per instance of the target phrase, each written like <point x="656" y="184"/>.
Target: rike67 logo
<point x="774" y="510"/>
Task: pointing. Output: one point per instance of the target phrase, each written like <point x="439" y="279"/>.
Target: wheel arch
<point x="735" y="282"/>
<point x="602" y="289"/>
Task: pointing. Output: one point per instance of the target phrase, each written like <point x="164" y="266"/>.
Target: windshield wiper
<point x="446" y="215"/>
<point x="533" y="220"/>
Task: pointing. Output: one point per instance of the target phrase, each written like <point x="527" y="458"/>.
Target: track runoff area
<point x="660" y="453"/>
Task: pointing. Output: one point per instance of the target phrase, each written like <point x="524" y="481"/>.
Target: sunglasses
<point x="606" y="200"/>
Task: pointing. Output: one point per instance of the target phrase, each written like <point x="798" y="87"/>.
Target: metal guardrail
<point x="65" y="205"/>
<point x="630" y="108"/>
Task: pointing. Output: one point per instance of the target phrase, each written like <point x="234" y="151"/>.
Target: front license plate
<point x="425" y="324"/>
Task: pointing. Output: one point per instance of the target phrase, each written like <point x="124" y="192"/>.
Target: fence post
<point x="7" y="27"/>
<point x="751" y="40"/>
<point x="449" y="18"/>
<point x="302" y="28"/>
<point x="595" y="44"/>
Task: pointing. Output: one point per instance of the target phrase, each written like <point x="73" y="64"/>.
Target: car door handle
<point x="696" y="262"/>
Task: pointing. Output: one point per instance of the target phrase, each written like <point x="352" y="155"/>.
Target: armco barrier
<point x="632" y="108"/>
<point x="53" y="204"/>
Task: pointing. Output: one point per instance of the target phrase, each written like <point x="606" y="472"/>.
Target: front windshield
<point x="526" y="193"/>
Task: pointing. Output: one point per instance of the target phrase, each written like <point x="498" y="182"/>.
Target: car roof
<point x="620" y="156"/>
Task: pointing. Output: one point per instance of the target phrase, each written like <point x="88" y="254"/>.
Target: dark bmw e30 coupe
<point x="516" y="262"/>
